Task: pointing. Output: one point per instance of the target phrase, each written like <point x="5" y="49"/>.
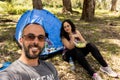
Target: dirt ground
<point x="103" y="32"/>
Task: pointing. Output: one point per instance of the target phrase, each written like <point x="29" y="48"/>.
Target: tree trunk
<point x="113" y="7"/>
<point x="37" y="4"/>
<point x="88" y="10"/>
<point x="9" y="1"/>
<point x="67" y="7"/>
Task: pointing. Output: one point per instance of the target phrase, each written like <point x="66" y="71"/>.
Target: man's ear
<point x="20" y="41"/>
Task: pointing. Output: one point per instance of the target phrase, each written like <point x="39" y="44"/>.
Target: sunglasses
<point x="31" y="37"/>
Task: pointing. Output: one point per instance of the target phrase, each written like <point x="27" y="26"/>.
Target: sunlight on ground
<point x="112" y="59"/>
<point x="115" y="62"/>
<point x="114" y="14"/>
<point x="112" y="41"/>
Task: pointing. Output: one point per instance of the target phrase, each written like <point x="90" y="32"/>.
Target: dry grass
<point x="104" y="32"/>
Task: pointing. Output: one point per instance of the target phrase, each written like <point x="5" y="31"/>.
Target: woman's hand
<point x="76" y="35"/>
<point x="72" y="37"/>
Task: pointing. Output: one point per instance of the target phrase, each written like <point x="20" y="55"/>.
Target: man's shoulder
<point x="8" y="72"/>
<point x="48" y="64"/>
<point x="12" y="68"/>
<point x="14" y="65"/>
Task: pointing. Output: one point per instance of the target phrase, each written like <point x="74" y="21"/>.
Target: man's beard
<point x="34" y="55"/>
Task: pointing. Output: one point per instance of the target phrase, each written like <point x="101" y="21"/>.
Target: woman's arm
<point x="68" y="44"/>
<point x="80" y="36"/>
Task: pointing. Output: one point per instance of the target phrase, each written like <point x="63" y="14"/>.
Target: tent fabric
<point x="5" y="65"/>
<point x="49" y="22"/>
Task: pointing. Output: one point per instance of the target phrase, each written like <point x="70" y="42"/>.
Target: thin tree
<point x="37" y="4"/>
<point x="114" y="4"/>
<point x="88" y="10"/>
<point x="8" y="1"/>
<point x="67" y="6"/>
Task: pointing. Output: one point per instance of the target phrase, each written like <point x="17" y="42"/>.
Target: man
<point x="28" y="66"/>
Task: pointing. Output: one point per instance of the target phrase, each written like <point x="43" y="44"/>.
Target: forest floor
<point x="104" y="32"/>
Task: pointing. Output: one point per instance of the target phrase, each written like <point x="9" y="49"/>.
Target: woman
<point x="70" y="37"/>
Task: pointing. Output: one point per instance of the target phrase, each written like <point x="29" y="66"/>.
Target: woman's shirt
<point x="74" y="37"/>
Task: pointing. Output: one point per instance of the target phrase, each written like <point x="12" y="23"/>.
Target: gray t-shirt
<point x="20" y="71"/>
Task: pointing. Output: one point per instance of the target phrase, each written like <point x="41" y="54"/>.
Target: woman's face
<point x="67" y="27"/>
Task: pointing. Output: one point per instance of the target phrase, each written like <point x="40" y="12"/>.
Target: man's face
<point x="33" y="40"/>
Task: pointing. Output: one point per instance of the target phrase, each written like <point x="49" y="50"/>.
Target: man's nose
<point x="36" y="40"/>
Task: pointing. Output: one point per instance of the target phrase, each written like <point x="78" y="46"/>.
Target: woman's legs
<point x="78" y="55"/>
<point x="96" y="54"/>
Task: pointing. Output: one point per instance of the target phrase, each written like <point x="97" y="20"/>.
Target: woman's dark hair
<point x="62" y="31"/>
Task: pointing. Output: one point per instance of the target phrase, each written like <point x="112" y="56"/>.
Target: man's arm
<point x="4" y="76"/>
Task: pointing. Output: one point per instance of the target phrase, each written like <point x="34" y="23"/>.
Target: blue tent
<point x="51" y="25"/>
<point x="5" y="65"/>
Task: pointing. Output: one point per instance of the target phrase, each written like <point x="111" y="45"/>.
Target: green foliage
<point x="16" y="10"/>
<point x="20" y="6"/>
<point x="77" y="3"/>
<point x="15" y="7"/>
<point x="52" y="3"/>
<point x="103" y="4"/>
